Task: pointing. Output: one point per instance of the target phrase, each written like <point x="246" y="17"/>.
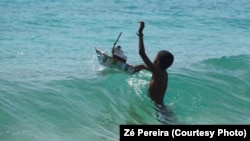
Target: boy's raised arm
<point x="142" y="53"/>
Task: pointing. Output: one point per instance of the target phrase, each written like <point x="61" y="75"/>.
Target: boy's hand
<point x="139" y="68"/>
<point x="142" y="25"/>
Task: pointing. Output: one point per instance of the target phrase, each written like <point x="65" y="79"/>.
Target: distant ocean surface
<point x="52" y="87"/>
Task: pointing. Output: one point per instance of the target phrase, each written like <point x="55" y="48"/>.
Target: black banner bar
<point x="185" y="132"/>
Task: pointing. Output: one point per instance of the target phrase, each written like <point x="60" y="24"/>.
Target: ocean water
<point x="53" y="88"/>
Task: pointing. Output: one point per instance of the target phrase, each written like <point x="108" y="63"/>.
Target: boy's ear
<point x="157" y="62"/>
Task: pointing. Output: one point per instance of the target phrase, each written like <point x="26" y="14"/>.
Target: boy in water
<point x="159" y="80"/>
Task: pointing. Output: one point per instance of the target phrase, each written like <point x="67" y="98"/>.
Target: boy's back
<point x="157" y="86"/>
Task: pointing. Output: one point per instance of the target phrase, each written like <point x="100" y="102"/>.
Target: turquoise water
<point x="52" y="87"/>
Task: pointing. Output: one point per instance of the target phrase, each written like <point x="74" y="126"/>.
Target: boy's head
<point x="164" y="59"/>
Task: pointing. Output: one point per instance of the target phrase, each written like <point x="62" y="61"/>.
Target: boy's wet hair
<point x="165" y="58"/>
